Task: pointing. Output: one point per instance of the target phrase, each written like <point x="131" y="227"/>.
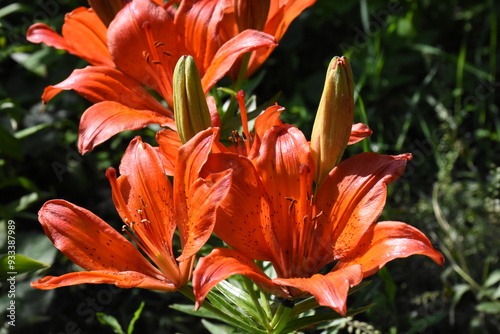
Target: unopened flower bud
<point x="251" y="14"/>
<point x="332" y="126"/>
<point x="190" y="105"/>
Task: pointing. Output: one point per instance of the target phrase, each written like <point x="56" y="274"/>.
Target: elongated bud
<point x="332" y="126"/>
<point x="190" y="105"/>
<point x="251" y="14"/>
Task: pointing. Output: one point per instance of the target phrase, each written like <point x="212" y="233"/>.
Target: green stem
<point x="236" y="87"/>
<point x="305" y="305"/>
<point x="281" y="319"/>
<point x="264" y="297"/>
<point x="264" y="320"/>
<point x="188" y="292"/>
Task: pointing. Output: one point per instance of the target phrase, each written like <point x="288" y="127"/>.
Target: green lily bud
<point x="251" y="14"/>
<point x="332" y="126"/>
<point x="190" y="105"/>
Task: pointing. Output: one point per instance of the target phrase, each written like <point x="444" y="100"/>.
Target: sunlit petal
<point x="105" y="119"/>
<point x="89" y="242"/>
<point x="352" y="197"/>
<point x="83" y="35"/>
<point x="223" y="263"/>
<point x="329" y="290"/>
<point x="386" y="241"/>
<point x="123" y="279"/>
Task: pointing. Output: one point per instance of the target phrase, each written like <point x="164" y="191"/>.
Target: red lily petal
<point x="243" y="217"/>
<point x="144" y="45"/>
<point x="329" y="290"/>
<point x="144" y="185"/>
<point x="105" y="119"/>
<point x="198" y="23"/>
<point x="84" y="35"/>
<point x="386" y="241"/>
<point x="195" y="211"/>
<point x="269" y="118"/>
<point x="352" y="197"/>
<point x="226" y="56"/>
<point x="205" y="196"/>
<point x="281" y="14"/>
<point x="286" y="169"/>
<point x="89" y="242"/>
<point x="222" y="263"/>
<point x="124" y="279"/>
<point x="169" y="142"/>
<point x="98" y="84"/>
<point x="214" y="113"/>
<point x="143" y="197"/>
<point x="359" y="131"/>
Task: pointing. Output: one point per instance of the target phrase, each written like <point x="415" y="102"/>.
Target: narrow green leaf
<point x="236" y="313"/>
<point x="304" y="322"/>
<point x="110" y="321"/>
<point x="18" y="264"/>
<point x="238" y="297"/>
<point x="217" y="329"/>
<point x="13" y="8"/>
<point x="493" y="278"/>
<point x="489" y="307"/>
<point x="189" y="309"/>
<point x="228" y="318"/>
<point x="137" y="314"/>
<point x="31" y="130"/>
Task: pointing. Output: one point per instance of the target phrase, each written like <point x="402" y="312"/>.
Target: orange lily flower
<point x="272" y="213"/>
<point x="152" y="208"/>
<point x="145" y="41"/>
<point x="270" y="16"/>
<point x="83" y="35"/>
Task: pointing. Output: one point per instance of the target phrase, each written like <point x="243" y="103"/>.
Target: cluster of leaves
<point x="426" y="76"/>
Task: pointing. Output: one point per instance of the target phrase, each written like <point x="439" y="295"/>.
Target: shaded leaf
<point x="110" y="321"/>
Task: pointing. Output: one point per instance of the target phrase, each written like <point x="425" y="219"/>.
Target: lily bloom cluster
<point x="272" y="196"/>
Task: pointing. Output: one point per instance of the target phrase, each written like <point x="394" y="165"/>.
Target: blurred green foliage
<point x="426" y="78"/>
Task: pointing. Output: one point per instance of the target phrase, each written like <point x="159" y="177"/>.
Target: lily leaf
<point x="304" y="322"/>
<point x="238" y="297"/>
<point x="189" y="309"/>
<point x="19" y="264"/>
<point x="137" y="314"/>
<point x="489" y="307"/>
<point x="492" y="279"/>
<point x="217" y="329"/>
<point x="111" y="321"/>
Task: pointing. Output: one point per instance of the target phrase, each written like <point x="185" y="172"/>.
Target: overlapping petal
<point x="353" y="196"/>
<point x="105" y="119"/>
<point x="98" y="83"/>
<point x="329" y="290"/>
<point x="229" y="52"/>
<point x="359" y="131"/>
<point x="243" y="218"/>
<point x="386" y="241"/>
<point x="123" y="279"/>
<point x="281" y="14"/>
<point x="197" y="199"/>
<point x="222" y="263"/>
<point x="83" y="35"/>
<point x="92" y="244"/>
